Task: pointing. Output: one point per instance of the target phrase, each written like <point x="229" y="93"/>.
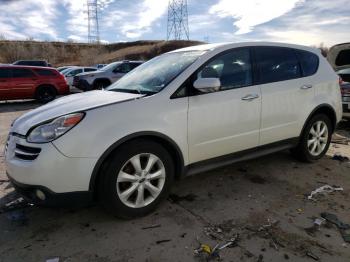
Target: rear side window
<point x="89" y="69"/>
<point x="44" y="72"/>
<point x="343" y="58"/>
<point x="276" y="64"/>
<point x="21" y="72"/>
<point x="134" y="65"/>
<point x="5" y="73"/>
<point x="308" y="61"/>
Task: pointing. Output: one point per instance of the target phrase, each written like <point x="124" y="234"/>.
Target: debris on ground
<point x="208" y="253"/>
<point x="324" y="189"/>
<point x="340" y="158"/>
<point x="312" y="255"/>
<point x="55" y="259"/>
<point x="152" y="226"/>
<point x="176" y="198"/>
<point x="257" y="179"/>
<point x="318" y="222"/>
<point x="16" y="204"/>
<point x="162" y="241"/>
<point x="343" y="228"/>
<point x="4" y="181"/>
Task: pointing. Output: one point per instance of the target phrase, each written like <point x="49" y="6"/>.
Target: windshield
<point x="152" y="76"/>
<point x="109" y="66"/>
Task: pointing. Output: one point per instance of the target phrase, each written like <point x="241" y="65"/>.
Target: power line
<point x="93" y="26"/>
<point x="177" y="28"/>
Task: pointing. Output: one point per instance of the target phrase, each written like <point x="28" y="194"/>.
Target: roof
<point x="211" y="47"/>
<point x="29" y="67"/>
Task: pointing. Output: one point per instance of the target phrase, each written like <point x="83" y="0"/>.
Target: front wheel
<point x="315" y="139"/>
<point x="136" y="179"/>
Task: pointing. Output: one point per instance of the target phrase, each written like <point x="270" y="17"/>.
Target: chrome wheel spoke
<point x="152" y="189"/>
<point x="125" y="177"/>
<point x="311" y="142"/>
<point x="140" y="199"/>
<point x="313" y="132"/>
<point x="136" y="163"/>
<point x="127" y="193"/>
<point x="318" y="138"/>
<point x="156" y="175"/>
<point x="152" y="159"/>
<point x="323" y="139"/>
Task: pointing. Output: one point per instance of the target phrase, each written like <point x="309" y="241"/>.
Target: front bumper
<point x="49" y="198"/>
<point x="43" y="165"/>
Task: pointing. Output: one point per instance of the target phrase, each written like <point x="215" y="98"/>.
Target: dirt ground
<point x="261" y="204"/>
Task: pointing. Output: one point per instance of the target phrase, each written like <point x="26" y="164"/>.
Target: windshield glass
<point x="109" y="66"/>
<point x="152" y="76"/>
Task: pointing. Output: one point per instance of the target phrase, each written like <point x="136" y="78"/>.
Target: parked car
<point x="345" y="90"/>
<point x="99" y="66"/>
<point x="105" y="76"/>
<point x="33" y="63"/>
<point x="62" y="68"/>
<point x="339" y="58"/>
<point x="27" y="82"/>
<point x="181" y="113"/>
<point x="71" y="72"/>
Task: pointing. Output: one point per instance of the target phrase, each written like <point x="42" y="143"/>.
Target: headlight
<point x="56" y="128"/>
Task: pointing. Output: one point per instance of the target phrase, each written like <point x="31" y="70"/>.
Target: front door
<point x="227" y="120"/>
<point x="24" y="83"/>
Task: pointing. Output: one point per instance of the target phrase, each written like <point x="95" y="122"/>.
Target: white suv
<point x="181" y="113"/>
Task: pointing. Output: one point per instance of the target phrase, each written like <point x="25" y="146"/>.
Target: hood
<point x="69" y="104"/>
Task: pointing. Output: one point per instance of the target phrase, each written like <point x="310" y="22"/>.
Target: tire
<point x="45" y="94"/>
<point x="119" y="176"/>
<point x="101" y="84"/>
<point x="322" y="139"/>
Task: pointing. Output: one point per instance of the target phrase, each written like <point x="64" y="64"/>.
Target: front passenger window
<point x="233" y="69"/>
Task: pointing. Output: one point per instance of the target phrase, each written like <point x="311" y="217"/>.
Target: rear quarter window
<point x="44" y="72"/>
<point x="309" y="62"/>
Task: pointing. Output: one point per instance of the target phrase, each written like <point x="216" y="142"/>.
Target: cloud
<point x="250" y="13"/>
<point x="137" y="19"/>
<point x="28" y="18"/>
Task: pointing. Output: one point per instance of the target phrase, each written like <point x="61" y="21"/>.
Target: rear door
<point x="286" y="96"/>
<point x="24" y="83"/>
<point x="5" y="83"/>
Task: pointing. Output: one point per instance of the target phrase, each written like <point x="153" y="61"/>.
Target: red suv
<point x="26" y="82"/>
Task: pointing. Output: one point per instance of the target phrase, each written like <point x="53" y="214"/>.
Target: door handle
<point x="250" y="97"/>
<point x="306" y="87"/>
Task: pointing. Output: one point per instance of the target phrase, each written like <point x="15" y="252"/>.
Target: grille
<point x="26" y="152"/>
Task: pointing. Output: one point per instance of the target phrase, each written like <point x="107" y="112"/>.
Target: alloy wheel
<point x="141" y="180"/>
<point x="318" y="138"/>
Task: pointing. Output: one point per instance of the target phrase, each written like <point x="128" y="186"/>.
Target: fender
<point x="320" y="107"/>
<point x="180" y="166"/>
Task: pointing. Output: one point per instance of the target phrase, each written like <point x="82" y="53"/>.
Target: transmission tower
<point x="93" y="28"/>
<point x="177" y="20"/>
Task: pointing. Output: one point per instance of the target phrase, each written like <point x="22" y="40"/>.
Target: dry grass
<point x="61" y="53"/>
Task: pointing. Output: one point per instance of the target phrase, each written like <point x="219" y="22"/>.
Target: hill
<point x="67" y="53"/>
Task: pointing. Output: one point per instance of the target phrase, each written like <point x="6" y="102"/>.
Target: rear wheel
<point x="136" y="179"/>
<point x="315" y="140"/>
<point x="45" y="94"/>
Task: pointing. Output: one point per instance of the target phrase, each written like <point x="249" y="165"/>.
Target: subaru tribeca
<point x="183" y="112"/>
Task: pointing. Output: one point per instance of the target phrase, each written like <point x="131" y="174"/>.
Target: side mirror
<point x="207" y="85"/>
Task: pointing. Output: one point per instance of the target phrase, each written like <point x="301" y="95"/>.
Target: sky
<point x="308" y="22"/>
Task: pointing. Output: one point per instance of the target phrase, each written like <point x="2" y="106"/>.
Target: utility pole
<point x="177" y="20"/>
<point x="93" y="27"/>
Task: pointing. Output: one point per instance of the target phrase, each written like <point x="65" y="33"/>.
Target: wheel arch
<point x="164" y="140"/>
<point x="326" y="109"/>
<point x="102" y="79"/>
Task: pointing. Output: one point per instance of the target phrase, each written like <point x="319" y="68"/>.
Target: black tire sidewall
<point x="303" y="145"/>
<point x="41" y="91"/>
<point x="107" y="186"/>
